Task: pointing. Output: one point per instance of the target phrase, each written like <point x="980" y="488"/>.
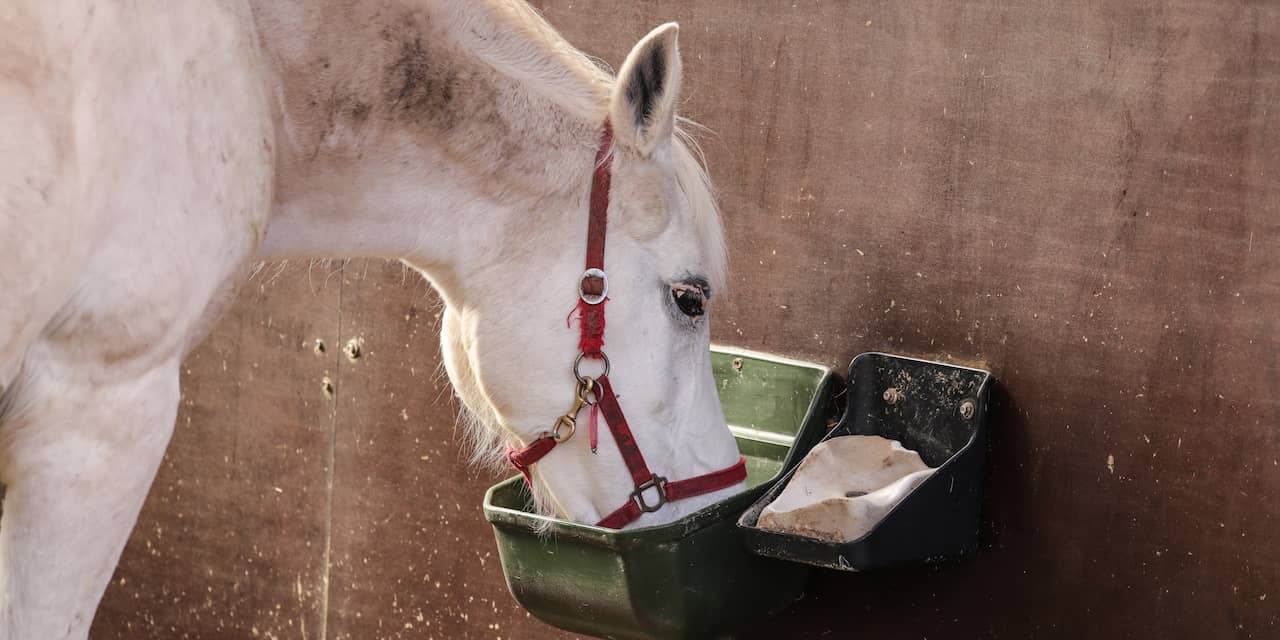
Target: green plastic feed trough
<point x="692" y="578"/>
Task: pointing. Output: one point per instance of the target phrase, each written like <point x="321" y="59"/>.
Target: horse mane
<point x="516" y="41"/>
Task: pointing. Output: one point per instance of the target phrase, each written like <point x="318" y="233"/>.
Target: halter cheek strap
<point x="651" y="490"/>
<point x="593" y="285"/>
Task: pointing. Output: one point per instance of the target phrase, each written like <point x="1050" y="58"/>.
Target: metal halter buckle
<point x="592" y="298"/>
<point x="657" y="483"/>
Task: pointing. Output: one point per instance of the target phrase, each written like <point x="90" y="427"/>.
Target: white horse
<point x="151" y="151"/>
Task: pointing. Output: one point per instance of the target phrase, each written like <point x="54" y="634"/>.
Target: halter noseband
<point x="652" y="491"/>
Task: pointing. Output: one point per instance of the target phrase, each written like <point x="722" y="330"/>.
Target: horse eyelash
<point x="697" y="282"/>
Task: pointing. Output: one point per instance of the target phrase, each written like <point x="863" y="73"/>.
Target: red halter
<point x="651" y="490"/>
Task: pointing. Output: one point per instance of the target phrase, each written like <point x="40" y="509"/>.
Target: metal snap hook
<point x="569" y="420"/>
<point x="565" y="421"/>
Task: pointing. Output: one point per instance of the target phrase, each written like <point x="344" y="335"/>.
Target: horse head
<point x="511" y="340"/>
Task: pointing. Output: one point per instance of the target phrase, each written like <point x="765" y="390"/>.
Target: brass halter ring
<point x="577" y="362"/>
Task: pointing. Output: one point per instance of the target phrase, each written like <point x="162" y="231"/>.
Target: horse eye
<point x="689" y="298"/>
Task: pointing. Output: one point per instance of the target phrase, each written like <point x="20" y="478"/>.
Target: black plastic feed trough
<point x="938" y="410"/>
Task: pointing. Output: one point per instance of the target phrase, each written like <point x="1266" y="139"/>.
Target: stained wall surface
<point x="1083" y="196"/>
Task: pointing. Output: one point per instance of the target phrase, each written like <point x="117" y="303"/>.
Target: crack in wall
<point x="331" y="456"/>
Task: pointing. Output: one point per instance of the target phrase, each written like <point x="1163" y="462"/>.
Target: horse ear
<point x="643" y="109"/>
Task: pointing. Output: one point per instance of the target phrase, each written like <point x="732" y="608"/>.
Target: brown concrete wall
<point x="1084" y="196"/>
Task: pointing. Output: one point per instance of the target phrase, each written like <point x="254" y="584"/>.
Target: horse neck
<point x="395" y="139"/>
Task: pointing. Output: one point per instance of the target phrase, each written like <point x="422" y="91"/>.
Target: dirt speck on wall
<point x="354" y="349"/>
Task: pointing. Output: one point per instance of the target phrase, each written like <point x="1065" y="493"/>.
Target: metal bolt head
<point x="892" y="395"/>
<point x="968" y="409"/>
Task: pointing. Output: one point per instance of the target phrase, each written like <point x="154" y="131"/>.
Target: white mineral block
<point x="844" y="487"/>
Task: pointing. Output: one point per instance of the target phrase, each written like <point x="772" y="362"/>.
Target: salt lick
<point x="844" y="487"/>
